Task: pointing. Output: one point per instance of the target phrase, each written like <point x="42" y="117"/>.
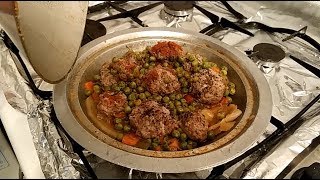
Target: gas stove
<point x="284" y="48"/>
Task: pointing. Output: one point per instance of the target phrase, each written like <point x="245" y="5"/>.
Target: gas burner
<point x="92" y="30"/>
<point x="181" y="10"/>
<point x="267" y="56"/>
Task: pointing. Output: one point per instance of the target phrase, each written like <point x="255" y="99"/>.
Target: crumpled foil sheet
<point x="54" y="160"/>
<point x="289" y="82"/>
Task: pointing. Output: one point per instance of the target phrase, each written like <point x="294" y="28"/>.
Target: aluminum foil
<point x="51" y="149"/>
<point x="292" y="87"/>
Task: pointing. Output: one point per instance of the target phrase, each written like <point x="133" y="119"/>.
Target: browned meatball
<point x="111" y="103"/>
<point x="209" y="86"/>
<point x="152" y="120"/>
<point x="161" y="80"/>
<point x="125" y="65"/>
<point x="195" y="125"/>
<point x="107" y="79"/>
<point x="166" y="50"/>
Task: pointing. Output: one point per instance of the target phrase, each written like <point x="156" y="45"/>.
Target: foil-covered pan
<point x="253" y="98"/>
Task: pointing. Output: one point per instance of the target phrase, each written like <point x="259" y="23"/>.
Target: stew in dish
<point x="162" y="98"/>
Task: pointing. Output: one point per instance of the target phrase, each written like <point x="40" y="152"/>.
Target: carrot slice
<point x="174" y="144"/>
<point x="216" y="69"/>
<point x="158" y="148"/>
<point x="130" y="139"/>
<point x="188" y="98"/>
<point x="89" y="85"/>
<point x="120" y="115"/>
<point x="224" y="101"/>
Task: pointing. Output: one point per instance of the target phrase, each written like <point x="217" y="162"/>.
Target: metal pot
<point x="253" y="98"/>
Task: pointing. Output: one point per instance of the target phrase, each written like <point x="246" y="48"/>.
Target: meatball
<point x="111" y="103"/>
<point x="195" y="125"/>
<point x="107" y="79"/>
<point x="166" y="50"/>
<point x="161" y="80"/>
<point x="209" y="86"/>
<point x="152" y="120"/>
<point x="125" y="66"/>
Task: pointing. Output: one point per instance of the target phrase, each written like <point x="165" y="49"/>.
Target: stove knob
<point x="311" y="172"/>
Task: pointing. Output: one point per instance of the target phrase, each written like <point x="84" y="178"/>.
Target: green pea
<point x="195" y="63"/>
<point x="136" y="72"/>
<point x="179" y="69"/>
<point x="117" y="120"/>
<point x="126" y="128"/>
<point x="152" y="58"/>
<point x="118" y="126"/>
<point x="133" y="85"/>
<point x="156" y="140"/>
<point x="154" y="145"/>
<point x="196" y="69"/>
<point x="127" y="90"/>
<point x="184" y="84"/>
<point x="96" y="77"/>
<point x="206" y="65"/>
<point x="115" y="87"/>
<point x="226" y="92"/>
<point x="152" y="64"/>
<point x="146" y="65"/>
<point x="119" y="136"/>
<point x="88" y="92"/>
<point x="231" y="85"/>
<point x="172" y="97"/>
<point x="166" y="99"/>
<point x="142" y="96"/>
<point x="195" y="79"/>
<point x="171" y="105"/>
<point x="127" y="109"/>
<point x="185" y="90"/>
<point x="137" y="102"/>
<point x="183" y="136"/>
<point x="232" y="91"/>
<point x="183" y="145"/>
<point x="113" y="71"/>
<point x="210" y="135"/>
<point x="213" y="64"/>
<point x="122" y="84"/>
<point x="176" y="64"/>
<point x="147" y="94"/>
<point x="181" y="59"/>
<point x="166" y="146"/>
<point x="178" y="96"/>
<point x="174" y="111"/>
<point x="180" y="109"/>
<point x="179" y="74"/>
<point x="180" y="130"/>
<point x="175" y="133"/>
<point x="224" y="72"/>
<point x="158" y="98"/>
<point x="229" y="99"/>
<point x="132" y="97"/>
<point x="165" y="64"/>
<point x="192" y="108"/>
<point x="140" y="89"/>
<point x="183" y="100"/>
<point x="221" y="115"/>
<point x="143" y="70"/>
<point x="224" y="68"/>
<point x="131" y="103"/>
<point x="177" y="103"/>
<point x="187" y="75"/>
